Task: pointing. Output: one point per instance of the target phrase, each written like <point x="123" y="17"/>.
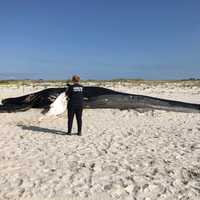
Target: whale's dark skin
<point x="97" y="97"/>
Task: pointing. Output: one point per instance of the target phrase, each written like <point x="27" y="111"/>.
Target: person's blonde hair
<point x="76" y="78"/>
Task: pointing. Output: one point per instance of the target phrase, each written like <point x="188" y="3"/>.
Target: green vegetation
<point x="130" y="82"/>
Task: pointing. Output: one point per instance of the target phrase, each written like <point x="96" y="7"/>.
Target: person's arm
<point x="68" y="90"/>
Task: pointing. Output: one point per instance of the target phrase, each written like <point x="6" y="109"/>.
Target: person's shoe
<point x="79" y="133"/>
<point x="69" y="133"/>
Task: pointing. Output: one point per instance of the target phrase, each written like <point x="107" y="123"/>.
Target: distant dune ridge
<point x="121" y="155"/>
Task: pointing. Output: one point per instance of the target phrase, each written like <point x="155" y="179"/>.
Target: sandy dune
<point x="121" y="155"/>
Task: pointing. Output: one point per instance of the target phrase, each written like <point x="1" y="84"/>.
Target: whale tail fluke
<point x="11" y="108"/>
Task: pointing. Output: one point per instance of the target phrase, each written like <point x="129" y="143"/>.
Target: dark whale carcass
<point x="97" y="97"/>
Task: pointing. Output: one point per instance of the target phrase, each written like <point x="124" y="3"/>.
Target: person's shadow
<point x="40" y="129"/>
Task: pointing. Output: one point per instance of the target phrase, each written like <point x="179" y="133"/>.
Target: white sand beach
<point x="121" y="154"/>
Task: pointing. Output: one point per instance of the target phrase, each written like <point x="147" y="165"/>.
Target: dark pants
<point x="78" y="112"/>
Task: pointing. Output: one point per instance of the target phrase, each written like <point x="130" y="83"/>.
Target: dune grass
<point x="130" y="82"/>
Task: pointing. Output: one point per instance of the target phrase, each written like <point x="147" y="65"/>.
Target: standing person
<point x="75" y="104"/>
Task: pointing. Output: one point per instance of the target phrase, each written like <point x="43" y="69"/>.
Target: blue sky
<point x="100" y="39"/>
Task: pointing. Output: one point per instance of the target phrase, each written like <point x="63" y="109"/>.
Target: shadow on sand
<point x="40" y="129"/>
